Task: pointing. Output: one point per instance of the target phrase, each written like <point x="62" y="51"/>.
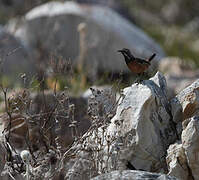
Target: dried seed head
<point x="25" y="155"/>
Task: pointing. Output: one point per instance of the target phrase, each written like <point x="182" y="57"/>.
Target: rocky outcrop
<point x="182" y="156"/>
<point x="106" y="32"/>
<point x="143" y="118"/>
<point x="142" y="134"/>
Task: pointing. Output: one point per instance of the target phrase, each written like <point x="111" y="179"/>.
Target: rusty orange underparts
<point x="137" y="68"/>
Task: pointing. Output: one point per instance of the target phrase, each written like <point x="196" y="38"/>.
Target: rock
<point x="177" y="162"/>
<point x="190" y="143"/>
<point x="133" y="175"/>
<point x="113" y="4"/>
<point x="178" y="73"/>
<point x="143" y="120"/>
<point x="105" y="33"/>
<point x="14" y="59"/>
<point x="186" y="103"/>
<point x="182" y="156"/>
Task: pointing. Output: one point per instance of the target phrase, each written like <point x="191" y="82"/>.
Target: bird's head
<point x="126" y="53"/>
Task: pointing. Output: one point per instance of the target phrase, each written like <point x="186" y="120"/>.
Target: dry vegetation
<point x="33" y="142"/>
<point x="32" y="139"/>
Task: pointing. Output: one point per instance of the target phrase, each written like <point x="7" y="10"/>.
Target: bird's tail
<point x="149" y="59"/>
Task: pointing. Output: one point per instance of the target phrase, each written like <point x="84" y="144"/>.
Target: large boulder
<point x="104" y="33"/>
<point x="143" y="120"/>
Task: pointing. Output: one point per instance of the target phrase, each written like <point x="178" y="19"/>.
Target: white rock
<point x="143" y="119"/>
<point x="190" y="143"/>
<point x="177" y="162"/>
<point x="186" y="103"/>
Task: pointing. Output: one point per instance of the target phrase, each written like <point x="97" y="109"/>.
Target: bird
<point x="136" y="65"/>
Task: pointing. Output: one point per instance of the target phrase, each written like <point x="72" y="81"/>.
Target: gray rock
<point x="14" y="58"/>
<point x="182" y="156"/>
<point x="106" y="32"/>
<point x="133" y="175"/>
<point x="177" y="161"/>
<point x="186" y="103"/>
<point x="190" y="143"/>
<point x="143" y="121"/>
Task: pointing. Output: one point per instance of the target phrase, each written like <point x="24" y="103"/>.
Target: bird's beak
<point x="120" y="51"/>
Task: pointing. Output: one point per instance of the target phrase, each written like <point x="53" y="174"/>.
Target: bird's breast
<point x="136" y="67"/>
